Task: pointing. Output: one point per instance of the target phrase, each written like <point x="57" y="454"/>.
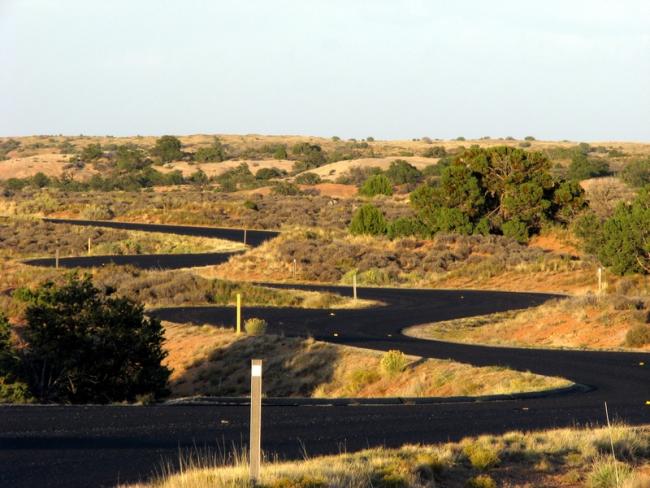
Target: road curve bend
<point x="70" y="445"/>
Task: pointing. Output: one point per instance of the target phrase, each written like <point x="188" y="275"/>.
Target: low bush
<point x="368" y="220"/>
<point x="481" y="456"/>
<point x="393" y="362"/>
<point x="376" y="185"/>
<point x="638" y="336"/>
<point x="481" y="481"/>
<point x="255" y="326"/>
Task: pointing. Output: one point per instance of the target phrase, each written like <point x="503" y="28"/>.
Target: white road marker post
<point x="256" y="420"/>
<point x="294" y="268"/>
<point x="238" y="313"/>
<point x="600" y="280"/>
<point x="354" y="286"/>
<point x="56" y="258"/>
<point x="244" y="237"/>
<point x="89" y="246"/>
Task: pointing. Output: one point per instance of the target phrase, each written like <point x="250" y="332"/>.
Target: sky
<point x="390" y="69"/>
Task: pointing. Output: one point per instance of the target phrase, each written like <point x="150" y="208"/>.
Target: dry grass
<point x="558" y="458"/>
<point x="586" y="322"/>
<point x="213" y="361"/>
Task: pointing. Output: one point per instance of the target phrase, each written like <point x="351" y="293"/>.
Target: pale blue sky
<point x="569" y="69"/>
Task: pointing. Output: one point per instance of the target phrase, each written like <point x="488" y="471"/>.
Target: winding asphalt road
<point x="103" y="445"/>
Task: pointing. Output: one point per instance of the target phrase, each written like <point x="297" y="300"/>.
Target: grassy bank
<point x="214" y="361"/>
<point x="558" y="458"/>
<point x="588" y="322"/>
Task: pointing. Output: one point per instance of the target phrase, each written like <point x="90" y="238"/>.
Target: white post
<point x="89" y="246"/>
<point x="256" y="420"/>
<point x="600" y="279"/>
<point x="354" y="286"/>
<point x="294" y="268"/>
<point x="244" y="237"/>
<point x="56" y="258"/>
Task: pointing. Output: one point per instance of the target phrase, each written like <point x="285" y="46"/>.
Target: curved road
<point x="101" y="445"/>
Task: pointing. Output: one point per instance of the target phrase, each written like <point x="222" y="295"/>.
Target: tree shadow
<point x="291" y="367"/>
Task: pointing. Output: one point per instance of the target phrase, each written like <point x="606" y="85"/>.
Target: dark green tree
<point x="83" y="345"/>
<point x="216" y="152"/>
<point x="369" y="220"/>
<point x="637" y="173"/>
<point x="309" y="156"/>
<point x="583" y="167"/>
<point x="376" y="185"/>
<point x="400" y="172"/>
<point x="129" y="157"/>
<point x="11" y="389"/>
<point x="167" y="149"/>
<point x="308" y="179"/>
<point x="91" y="152"/>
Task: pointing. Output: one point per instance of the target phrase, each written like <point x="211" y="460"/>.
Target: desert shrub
<point x="285" y="188"/>
<point x="7" y="146"/>
<point x="66" y="147"/>
<point x="515" y="229"/>
<point x="129" y="157"/>
<point x="83" y="345"/>
<point x="308" y="179"/>
<point x="621" y="241"/>
<point x="481" y="481"/>
<point x="406" y="226"/>
<point x="529" y="138"/>
<point x="236" y="178"/>
<point x="356" y="175"/>
<point x="250" y="205"/>
<point x="309" y="156"/>
<point x="255" y="326"/>
<point x="167" y="149"/>
<point x="269" y="173"/>
<point x="400" y="172"/>
<point x="216" y="152"/>
<point x="638" y="336"/>
<point x="91" y="152"/>
<point x="393" y="362"/>
<point x="40" y="180"/>
<point x="524" y="144"/>
<point x="11" y="389"/>
<point x="481" y="456"/>
<point x="583" y="167"/>
<point x="368" y="220"/>
<point x="435" y="152"/>
<point x="637" y="173"/>
<point x="376" y="185"/>
<point x="607" y="473"/>
<point x="97" y="212"/>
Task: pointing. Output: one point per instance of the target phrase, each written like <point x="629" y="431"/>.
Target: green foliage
<point x="91" y="152"/>
<point x="11" y="389"/>
<point x="130" y="157"/>
<point x="167" y="149"/>
<point x="285" y="188"/>
<point x="497" y="189"/>
<point x="529" y="138"/>
<point x="481" y="456"/>
<point x="308" y="179"/>
<point x="638" y="336"/>
<point x="356" y="175"/>
<point x="269" y="173"/>
<point x="82" y="345"/>
<point x="637" y="173"/>
<point x="236" y="178"/>
<point x="368" y="219"/>
<point x="435" y="152"/>
<point x="393" y="362"/>
<point x="7" y="146"/>
<point x="401" y="172"/>
<point x="198" y="178"/>
<point x="251" y="205"/>
<point x="40" y="180"/>
<point x="66" y="147"/>
<point x="216" y="152"/>
<point x="621" y="242"/>
<point x="255" y="326"/>
<point x="309" y="156"/>
<point x="406" y="226"/>
<point x="376" y="185"/>
<point x="583" y="167"/>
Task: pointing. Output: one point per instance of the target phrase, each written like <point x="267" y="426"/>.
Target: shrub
<point x="308" y="179"/>
<point x="637" y="173"/>
<point x="435" y="152"/>
<point x="168" y="149"/>
<point x="284" y="188"/>
<point x="529" y="138"/>
<point x="393" y="362"/>
<point x="216" y="152"/>
<point x="481" y="481"/>
<point x="255" y="326"/>
<point x="356" y="175"/>
<point x="91" y="152"/>
<point x="401" y="172"/>
<point x="11" y="390"/>
<point x="638" y="336"/>
<point x="606" y="473"/>
<point x="583" y="167"/>
<point x="376" y="185"/>
<point x="83" y="345"/>
<point x="97" y="212"/>
<point x="368" y="220"/>
<point x="268" y="173"/>
<point x="251" y="205"/>
<point x="309" y="156"/>
<point x="515" y="229"/>
<point x="481" y="456"/>
<point x="406" y="226"/>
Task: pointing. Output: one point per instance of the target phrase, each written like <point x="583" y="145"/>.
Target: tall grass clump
<point x="255" y="326"/>
<point x="393" y="362"/>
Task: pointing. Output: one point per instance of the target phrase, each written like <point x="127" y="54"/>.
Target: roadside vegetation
<point x="611" y="322"/>
<point x="208" y="360"/>
<point x="558" y="458"/>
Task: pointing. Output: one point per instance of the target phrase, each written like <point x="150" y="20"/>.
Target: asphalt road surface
<point x="104" y="445"/>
